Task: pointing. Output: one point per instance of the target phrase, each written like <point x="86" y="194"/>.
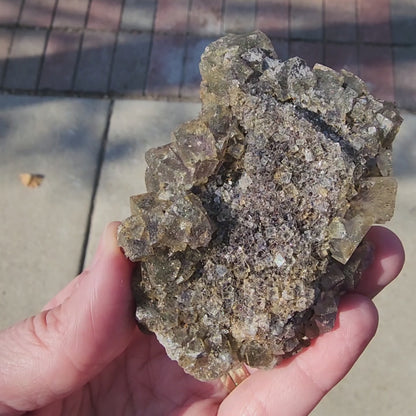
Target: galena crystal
<point x="253" y="223"/>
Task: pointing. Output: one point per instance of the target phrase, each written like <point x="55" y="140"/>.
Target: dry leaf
<point x="31" y="180"/>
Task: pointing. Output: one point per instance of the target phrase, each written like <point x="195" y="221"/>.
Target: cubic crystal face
<point x="253" y="223"/>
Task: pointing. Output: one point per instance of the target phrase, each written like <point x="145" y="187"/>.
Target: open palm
<point x="84" y="355"/>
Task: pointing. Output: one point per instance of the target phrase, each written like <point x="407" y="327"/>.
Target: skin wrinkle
<point x="151" y="369"/>
<point x="309" y="377"/>
<point x="89" y="396"/>
<point x="91" y="361"/>
<point x="128" y="377"/>
<point x="94" y="300"/>
<point x="151" y="385"/>
<point x="76" y="371"/>
<point x="266" y="400"/>
<point x="54" y="320"/>
<point x="34" y="326"/>
<point x="170" y="401"/>
<point x="67" y="291"/>
<point x="130" y="387"/>
<point x="129" y="401"/>
<point x="66" y="350"/>
<point x="73" y="406"/>
<point x="116" y="385"/>
<point x="106" y="386"/>
<point x="196" y="396"/>
<point x="92" y="315"/>
<point x="101" y="389"/>
<point x="146" y="383"/>
<point x="255" y="407"/>
<point x="186" y="400"/>
<point x="77" y="404"/>
<point x="37" y="323"/>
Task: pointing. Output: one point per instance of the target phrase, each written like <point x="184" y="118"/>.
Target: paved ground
<point x="66" y="69"/>
<point x="152" y="47"/>
<point x="42" y="235"/>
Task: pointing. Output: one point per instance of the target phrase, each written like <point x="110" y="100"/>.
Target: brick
<point x="37" y="13"/>
<point x="342" y="56"/>
<point x="306" y="19"/>
<point x="172" y="16"/>
<point x="10" y="10"/>
<point x="405" y="76"/>
<point x="311" y="52"/>
<point x="5" y="41"/>
<point x="24" y="59"/>
<point x="166" y="65"/>
<point x="340" y="21"/>
<point x="192" y="77"/>
<point x="138" y="15"/>
<point x="205" y="17"/>
<point x="239" y="16"/>
<point x="60" y="61"/>
<point x="95" y="62"/>
<point x="403" y="14"/>
<point x="376" y="68"/>
<point x="130" y="63"/>
<point x="104" y="14"/>
<point x="374" y="21"/>
<point x="71" y="14"/>
<point x="273" y="17"/>
<point x="281" y="47"/>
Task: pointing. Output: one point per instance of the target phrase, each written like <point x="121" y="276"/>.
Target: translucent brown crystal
<point x="253" y="223"/>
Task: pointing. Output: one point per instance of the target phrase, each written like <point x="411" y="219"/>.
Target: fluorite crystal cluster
<point x="253" y="223"/>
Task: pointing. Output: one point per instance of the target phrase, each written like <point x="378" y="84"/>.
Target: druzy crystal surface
<point x="253" y="222"/>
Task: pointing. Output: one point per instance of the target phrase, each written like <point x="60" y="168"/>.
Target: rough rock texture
<point x="249" y="231"/>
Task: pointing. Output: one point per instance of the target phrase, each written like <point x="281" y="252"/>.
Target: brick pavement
<point x="151" y="47"/>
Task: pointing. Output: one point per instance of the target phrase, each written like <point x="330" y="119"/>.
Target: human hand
<point x="83" y="354"/>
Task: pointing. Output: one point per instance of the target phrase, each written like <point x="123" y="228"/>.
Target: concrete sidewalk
<point x="92" y="155"/>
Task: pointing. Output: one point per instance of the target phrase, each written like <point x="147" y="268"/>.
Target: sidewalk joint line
<point x="9" y="49"/>
<point x="47" y="36"/>
<point x="150" y="50"/>
<point x="97" y="176"/>
<point x="115" y="45"/>
<point x="19" y="16"/>
<point x="358" y="36"/>
<point x="6" y="61"/>
<point x="80" y="45"/>
<point x="289" y="29"/>
<point x="222" y="25"/>
<point x="185" y="49"/>
<point x="393" y="56"/>
<point x="324" y="31"/>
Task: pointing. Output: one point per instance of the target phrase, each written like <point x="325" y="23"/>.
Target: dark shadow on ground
<point x="135" y="63"/>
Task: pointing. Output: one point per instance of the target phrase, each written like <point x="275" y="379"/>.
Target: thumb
<point x="47" y="356"/>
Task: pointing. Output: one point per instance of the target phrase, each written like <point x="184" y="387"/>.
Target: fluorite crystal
<point x="253" y="223"/>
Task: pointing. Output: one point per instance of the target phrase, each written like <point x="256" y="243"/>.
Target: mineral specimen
<point x="255" y="213"/>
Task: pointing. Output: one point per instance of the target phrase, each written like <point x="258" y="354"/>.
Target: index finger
<point x="387" y="264"/>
